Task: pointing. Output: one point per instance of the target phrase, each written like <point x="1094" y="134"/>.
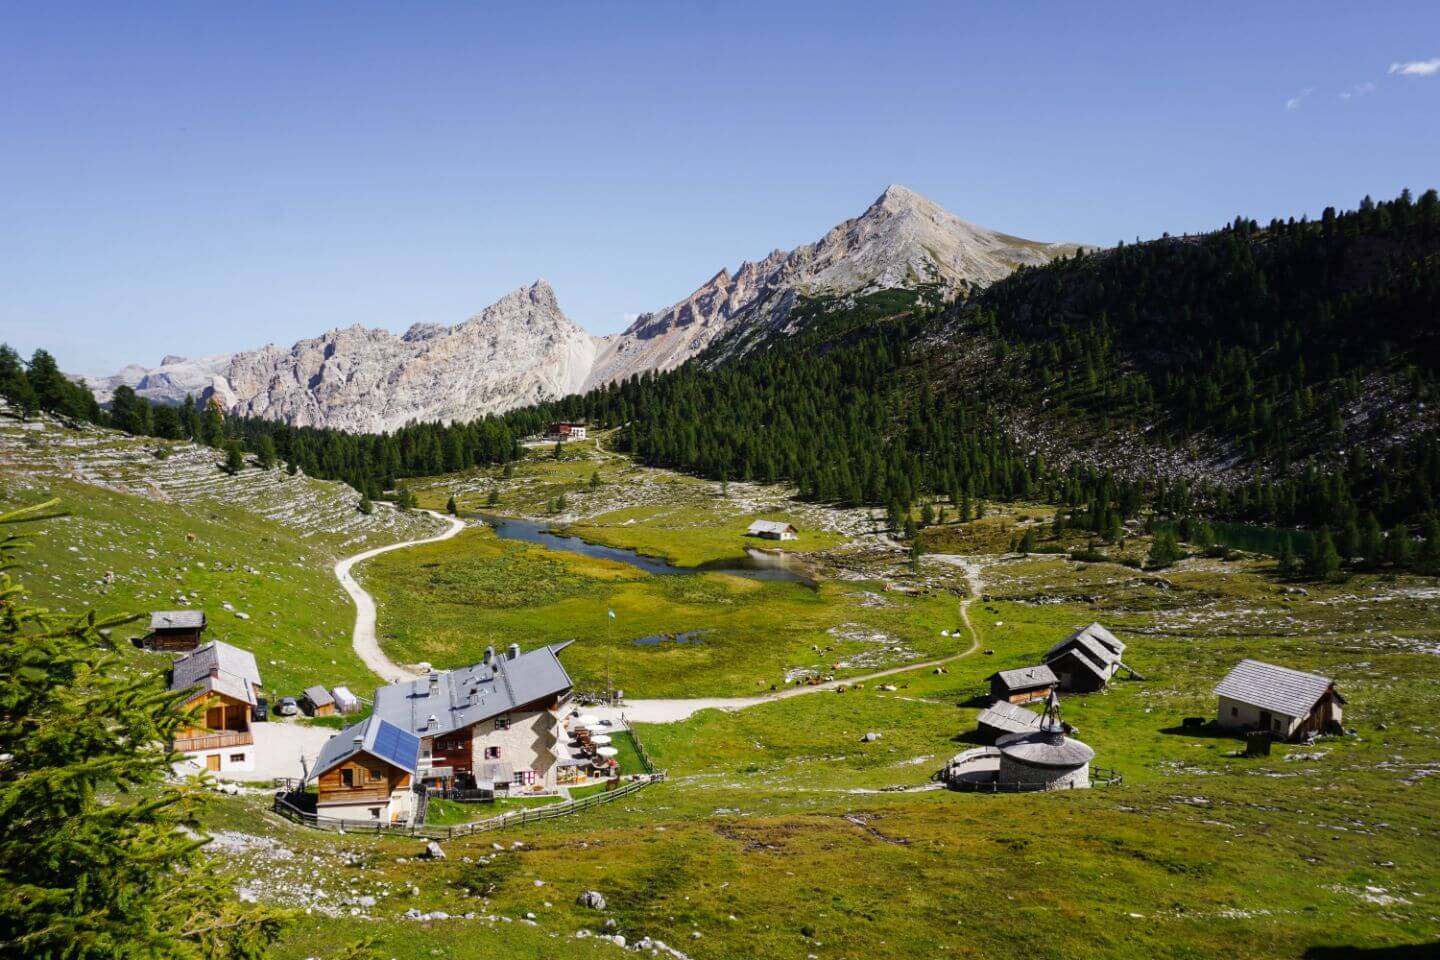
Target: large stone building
<point x="1045" y="758"/>
<point x="494" y="725"/>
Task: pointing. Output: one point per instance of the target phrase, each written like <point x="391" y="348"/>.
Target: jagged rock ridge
<point x="902" y="240"/>
<point x="523" y="349"/>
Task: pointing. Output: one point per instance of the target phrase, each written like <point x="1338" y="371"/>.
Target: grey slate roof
<point x="318" y="696"/>
<point x="1041" y="748"/>
<point x="177" y="619"/>
<point x="1022" y="678"/>
<point x="469" y="695"/>
<point x="770" y="526"/>
<point x="1102" y="645"/>
<point x="1010" y="717"/>
<point x="220" y="667"/>
<point x="1291" y="693"/>
<point x="373" y="736"/>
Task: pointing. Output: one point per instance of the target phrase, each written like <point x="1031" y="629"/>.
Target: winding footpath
<point x="635" y="711"/>
<point x="363" y="637"/>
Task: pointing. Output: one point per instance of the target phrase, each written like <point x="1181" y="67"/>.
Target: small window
<point x="502" y="722"/>
<point x="374" y="813"/>
<point x="1234" y="711"/>
<point x="347" y="777"/>
<point x="237" y="758"/>
<point x="519" y="778"/>
<point x="492" y="753"/>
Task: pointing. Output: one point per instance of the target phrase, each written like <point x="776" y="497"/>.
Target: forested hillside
<point x="1283" y="375"/>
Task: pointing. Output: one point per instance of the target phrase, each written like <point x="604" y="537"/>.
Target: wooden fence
<point x="639" y="747"/>
<point x="514" y="818"/>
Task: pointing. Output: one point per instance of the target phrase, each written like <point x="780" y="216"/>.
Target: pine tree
<point x="1027" y="542"/>
<point x="366" y="506"/>
<point x="95" y="861"/>
<point x="494" y="499"/>
<point x="451" y="507"/>
<point x="1324" y="560"/>
<point x="234" y="458"/>
<point x="1164" y="550"/>
<point x="265" y="452"/>
<point x="916" y="552"/>
<point x="595" y="479"/>
<point x="1286" y="559"/>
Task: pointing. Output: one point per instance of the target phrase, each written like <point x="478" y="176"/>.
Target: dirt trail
<point x="363" y="637"/>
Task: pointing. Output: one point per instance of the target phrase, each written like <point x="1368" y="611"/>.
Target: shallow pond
<point x="756" y="564"/>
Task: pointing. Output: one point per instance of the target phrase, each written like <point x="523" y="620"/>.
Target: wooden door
<point x="212" y="762"/>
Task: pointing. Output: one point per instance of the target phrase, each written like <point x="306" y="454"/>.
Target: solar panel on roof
<point x="396" y="746"/>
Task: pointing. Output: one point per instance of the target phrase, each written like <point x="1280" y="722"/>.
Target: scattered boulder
<point x="433" y="851"/>
<point x="592" y="899"/>
<point x="870" y="737"/>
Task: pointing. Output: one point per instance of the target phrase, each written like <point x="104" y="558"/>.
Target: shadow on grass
<point x="1208" y="731"/>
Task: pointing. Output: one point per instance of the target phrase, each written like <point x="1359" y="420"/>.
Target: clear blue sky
<point x="203" y="177"/>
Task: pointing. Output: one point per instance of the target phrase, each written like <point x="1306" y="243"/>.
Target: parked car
<point x="261" y="711"/>
<point x="287" y="707"/>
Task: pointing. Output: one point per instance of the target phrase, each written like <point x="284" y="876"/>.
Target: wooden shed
<point x="1022" y="684"/>
<point x="176" y="629"/>
<point x="318" y="702"/>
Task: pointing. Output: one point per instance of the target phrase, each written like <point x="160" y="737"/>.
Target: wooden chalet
<point x="1022" y="684"/>
<point x="220" y="684"/>
<point x="1290" y="704"/>
<point x="175" y="629"/>
<point x="367" y="772"/>
<point x="563" y="430"/>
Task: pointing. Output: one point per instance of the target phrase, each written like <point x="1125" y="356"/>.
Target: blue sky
<point x="198" y="177"/>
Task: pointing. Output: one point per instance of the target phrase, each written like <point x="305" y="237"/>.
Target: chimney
<point x="434" y="682"/>
<point x="359" y="739"/>
<point x="513" y="652"/>
<point x="490" y="654"/>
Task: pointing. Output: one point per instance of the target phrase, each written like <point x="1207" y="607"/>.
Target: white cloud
<point x="1294" y="102"/>
<point x="1359" y="90"/>
<point x="1417" y="68"/>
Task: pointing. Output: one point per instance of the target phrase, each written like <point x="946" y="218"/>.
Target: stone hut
<point x="1046" y="758"/>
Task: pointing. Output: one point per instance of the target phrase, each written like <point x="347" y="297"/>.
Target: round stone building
<point x="1044" y="759"/>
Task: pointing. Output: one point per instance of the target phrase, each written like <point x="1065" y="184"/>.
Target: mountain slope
<point x="902" y="240"/>
<point x="524" y="350"/>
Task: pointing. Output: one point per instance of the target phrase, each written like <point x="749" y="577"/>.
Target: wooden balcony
<point x="217" y="740"/>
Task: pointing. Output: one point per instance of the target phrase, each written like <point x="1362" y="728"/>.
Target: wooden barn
<point x="1023" y="684"/>
<point x="773" y="530"/>
<point x="1087" y="659"/>
<point x="175" y="629"/>
<point x="221" y="684"/>
<point x="367" y="772"/>
<point x="317" y="701"/>
<point x="1291" y="704"/>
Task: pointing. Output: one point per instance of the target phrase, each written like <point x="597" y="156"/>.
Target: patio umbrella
<point x="600" y="739"/>
<point x="586" y="720"/>
<point x="607" y="752"/>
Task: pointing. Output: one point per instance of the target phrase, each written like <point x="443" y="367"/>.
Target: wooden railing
<point x="214" y="741"/>
<point x="515" y="818"/>
<point x="639" y="747"/>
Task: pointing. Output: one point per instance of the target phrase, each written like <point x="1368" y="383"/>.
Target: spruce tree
<point x="1324" y="560"/>
<point x="98" y="852"/>
<point x="234" y="458"/>
<point x="451" y="507"/>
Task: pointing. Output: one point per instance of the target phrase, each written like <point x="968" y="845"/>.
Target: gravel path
<point x="363" y="638"/>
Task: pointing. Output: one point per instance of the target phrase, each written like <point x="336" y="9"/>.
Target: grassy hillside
<point x="144" y="532"/>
